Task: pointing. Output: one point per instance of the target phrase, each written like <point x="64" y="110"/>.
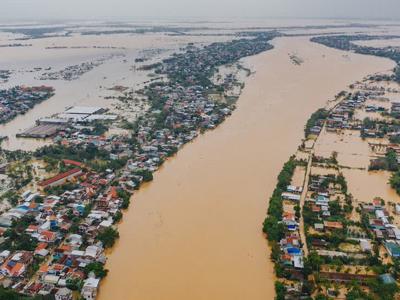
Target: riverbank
<point x="195" y="231"/>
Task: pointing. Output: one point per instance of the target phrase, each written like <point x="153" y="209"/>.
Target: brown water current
<point x="195" y="232"/>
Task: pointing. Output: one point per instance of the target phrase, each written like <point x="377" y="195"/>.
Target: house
<point x="397" y="209"/>
<point x="32" y="229"/>
<point x="288" y="217"/>
<point x="92" y="251"/>
<point x="69" y="162"/>
<point x="51" y="279"/>
<point x="63" y="294"/>
<point x="396" y="232"/>
<point x="378" y="233"/>
<point x="298" y="262"/>
<point x="377" y="224"/>
<point x="17" y="264"/>
<point x="318" y="243"/>
<point x="333" y="225"/>
<point x="319" y="226"/>
<point x="3" y="255"/>
<point x="89" y="289"/>
<point x="291" y="196"/>
<point x="321" y="200"/>
<point x="365" y="246"/>
<point x="6" y="221"/>
<point x="315" y="208"/>
<point x="61" y="178"/>
<point x="290" y="241"/>
<point x="392" y="248"/>
<point x="292" y="227"/>
<point x="3" y="167"/>
<point x="387" y="279"/>
<point x="294" y="189"/>
<point x="377" y="203"/>
<point x="47" y="236"/>
<point x="379" y="214"/>
<point x="41" y="249"/>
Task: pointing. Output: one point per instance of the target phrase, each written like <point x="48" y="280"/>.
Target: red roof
<point x="72" y="162"/>
<point x="316" y="208"/>
<point x="16" y="270"/>
<point x="48" y="235"/>
<point x="336" y="225"/>
<point x="113" y="192"/>
<point x="32" y="228"/>
<point x="377" y="202"/>
<point x="59" y="177"/>
<point x="41" y="246"/>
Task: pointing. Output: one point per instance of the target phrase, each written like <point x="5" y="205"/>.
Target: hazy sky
<point x="38" y="9"/>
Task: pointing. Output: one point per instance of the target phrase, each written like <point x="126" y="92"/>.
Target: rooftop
<point x="89" y="110"/>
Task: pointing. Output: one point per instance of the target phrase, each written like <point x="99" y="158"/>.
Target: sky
<point x="93" y="9"/>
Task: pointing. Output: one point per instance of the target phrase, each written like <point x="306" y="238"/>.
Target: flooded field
<point x="365" y="186"/>
<point x="352" y="150"/>
<point x="92" y="87"/>
<point x="195" y="232"/>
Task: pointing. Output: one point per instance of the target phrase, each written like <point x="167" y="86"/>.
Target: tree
<point x="117" y="217"/>
<point x="357" y="294"/>
<point x="280" y="290"/>
<point x="146" y="174"/>
<point x="273" y="228"/>
<point x="108" y="237"/>
<point x="391" y="159"/>
<point x="298" y="211"/>
<point x="395" y="181"/>
<point x="74" y="284"/>
<point x="97" y="268"/>
<point x="384" y="291"/>
<point x="314" y="261"/>
<point x="275" y="251"/>
<point x="126" y="198"/>
<point x="333" y="157"/>
<point x="321" y="297"/>
<point x="397" y="73"/>
<point x="396" y="268"/>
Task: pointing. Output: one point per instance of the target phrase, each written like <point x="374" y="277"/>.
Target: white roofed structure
<point x="86" y="110"/>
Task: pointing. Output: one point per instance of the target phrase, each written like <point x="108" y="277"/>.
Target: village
<point x="63" y="204"/>
<point x="74" y="72"/>
<point x="4" y="75"/>
<point x="329" y="238"/>
<point x="18" y="100"/>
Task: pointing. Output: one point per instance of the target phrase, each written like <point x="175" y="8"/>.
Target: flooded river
<point x="195" y="232"/>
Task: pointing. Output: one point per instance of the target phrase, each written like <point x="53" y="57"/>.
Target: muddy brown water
<point x="195" y="232"/>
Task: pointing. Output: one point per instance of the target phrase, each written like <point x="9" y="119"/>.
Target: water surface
<point x="195" y="232"/>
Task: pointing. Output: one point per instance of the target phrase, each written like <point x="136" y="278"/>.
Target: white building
<point x="90" y="287"/>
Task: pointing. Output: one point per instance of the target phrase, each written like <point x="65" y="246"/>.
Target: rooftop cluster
<point x="20" y="99"/>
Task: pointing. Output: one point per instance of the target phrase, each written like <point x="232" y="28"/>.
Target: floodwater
<point x="352" y="150"/>
<point x="195" y="232"/>
<point x="92" y="87"/>
<point x="365" y="186"/>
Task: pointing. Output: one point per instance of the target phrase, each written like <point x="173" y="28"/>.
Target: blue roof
<point x="23" y="207"/>
<point x="394" y="248"/>
<point x="387" y="279"/>
<point x="293" y="250"/>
